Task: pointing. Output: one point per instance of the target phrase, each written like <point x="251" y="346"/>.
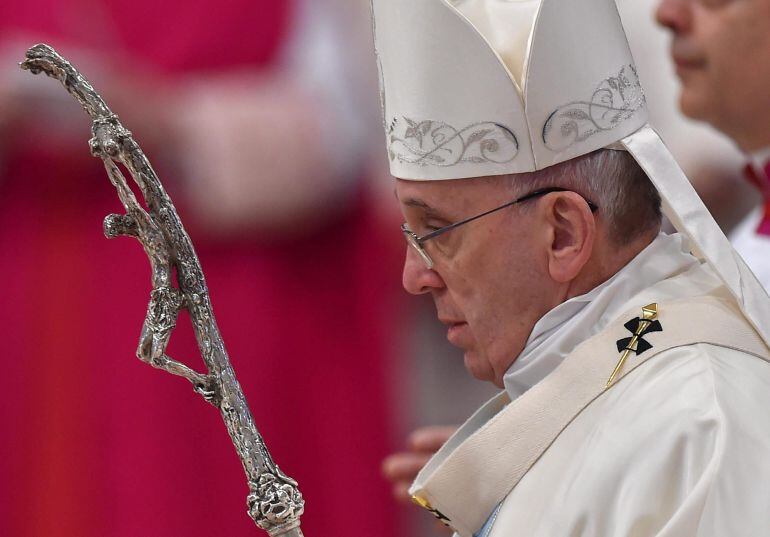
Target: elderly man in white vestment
<point x="634" y="364"/>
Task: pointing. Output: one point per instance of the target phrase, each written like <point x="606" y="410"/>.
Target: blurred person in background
<point x="257" y="120"/>
<point x="721" y="50"/>
<point x="710" y="159"/>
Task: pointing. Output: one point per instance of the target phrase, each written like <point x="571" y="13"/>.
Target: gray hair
<point x="627" y="199"/>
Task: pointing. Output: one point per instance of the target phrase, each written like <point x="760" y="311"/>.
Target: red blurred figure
<point x="95" y="442"/>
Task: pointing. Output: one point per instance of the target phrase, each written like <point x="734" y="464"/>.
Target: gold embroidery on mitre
<point x="616" y="99"/>
<point x="435" y="143"/>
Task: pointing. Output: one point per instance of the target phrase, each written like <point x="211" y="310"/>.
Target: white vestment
<point x="679" y="446"/>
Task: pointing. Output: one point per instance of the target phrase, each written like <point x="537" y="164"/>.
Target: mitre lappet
<point x="474" y="88"/>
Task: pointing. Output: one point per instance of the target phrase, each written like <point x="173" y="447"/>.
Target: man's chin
<point x="478" y="367"/>
<point x="693" y="103"/>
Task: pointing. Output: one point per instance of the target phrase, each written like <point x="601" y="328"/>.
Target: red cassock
<point x="95" y="443"/>
<point x="761" y="180"/>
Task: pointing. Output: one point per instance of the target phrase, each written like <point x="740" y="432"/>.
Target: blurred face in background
<point x="721" y="49"/>
<point x="490" y="280"/>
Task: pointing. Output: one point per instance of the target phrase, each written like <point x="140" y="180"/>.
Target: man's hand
<point x="401" y="468"/>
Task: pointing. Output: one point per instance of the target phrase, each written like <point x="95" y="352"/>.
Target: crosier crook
<point x="274" y="501"/>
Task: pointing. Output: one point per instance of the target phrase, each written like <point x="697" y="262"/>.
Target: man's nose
<point x="676" y="15"/>
<point x="417" y="278"/>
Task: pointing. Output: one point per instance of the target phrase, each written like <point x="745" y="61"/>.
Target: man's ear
<point x="572" y="231"/>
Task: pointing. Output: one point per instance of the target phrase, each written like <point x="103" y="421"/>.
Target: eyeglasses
<point x="417" y="242"/>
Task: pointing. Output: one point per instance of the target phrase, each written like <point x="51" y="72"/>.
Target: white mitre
<point x="474" y="88"/>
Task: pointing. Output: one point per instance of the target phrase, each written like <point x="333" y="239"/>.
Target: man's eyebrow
<point x="419" y="203"/>
<point x="416" y="202"/>
<point x="413" y="202"/>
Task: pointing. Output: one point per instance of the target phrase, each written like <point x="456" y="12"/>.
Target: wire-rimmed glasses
<point x="417" y="242"/>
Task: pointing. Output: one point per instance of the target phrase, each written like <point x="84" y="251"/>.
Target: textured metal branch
<point x="274" y="501"/>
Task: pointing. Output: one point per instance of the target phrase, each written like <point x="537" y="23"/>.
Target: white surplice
<point x="679" y="447"/>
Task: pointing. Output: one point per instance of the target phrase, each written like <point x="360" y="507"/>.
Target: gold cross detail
<point x="649" y="314"/>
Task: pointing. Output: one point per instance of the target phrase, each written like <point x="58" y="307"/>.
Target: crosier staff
<point x="274" y="501"/>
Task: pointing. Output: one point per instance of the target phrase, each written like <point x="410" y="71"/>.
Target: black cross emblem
<point x="642" y="345"/>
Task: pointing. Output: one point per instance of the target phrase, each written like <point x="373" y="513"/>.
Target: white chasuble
<point x="679" y="449"/>
<point x="677" y="446"/>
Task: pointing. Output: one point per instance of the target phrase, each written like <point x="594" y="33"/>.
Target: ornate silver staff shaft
<point x="274" y="501"/>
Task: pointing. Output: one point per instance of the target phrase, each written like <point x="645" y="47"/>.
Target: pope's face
<point x="721" y="49"/>
<point x="489" y="280"/>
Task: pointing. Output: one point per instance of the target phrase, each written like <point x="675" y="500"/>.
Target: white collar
<point x="560" y="330"/>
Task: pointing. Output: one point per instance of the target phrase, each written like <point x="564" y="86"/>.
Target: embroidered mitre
<point x="489" y="87"/>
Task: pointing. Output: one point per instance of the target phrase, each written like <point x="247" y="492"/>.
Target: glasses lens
<point x="411" y="239"/>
